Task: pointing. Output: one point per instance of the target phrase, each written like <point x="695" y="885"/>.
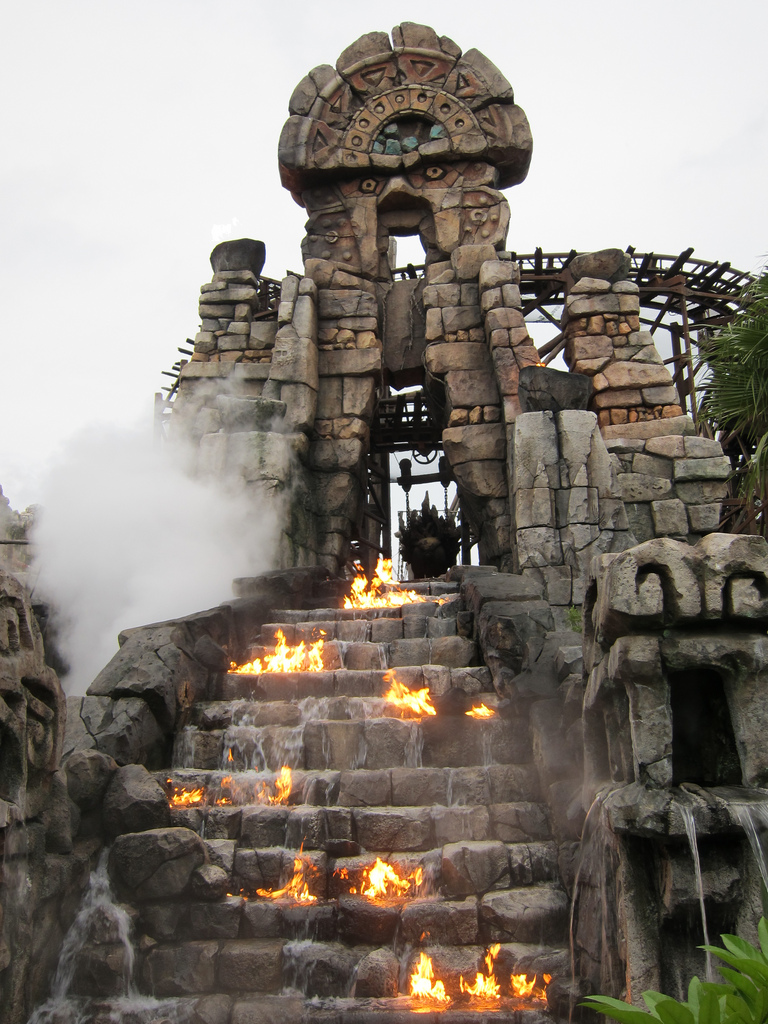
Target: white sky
<point x="132" y="133"/>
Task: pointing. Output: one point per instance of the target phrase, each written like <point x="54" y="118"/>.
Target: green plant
<point x="574" y="619"/>
<point x="742" y="999"/>
<point x="734" y="395"/>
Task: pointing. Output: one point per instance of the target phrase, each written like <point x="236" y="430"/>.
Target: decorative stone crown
<point x="395" y="106"/>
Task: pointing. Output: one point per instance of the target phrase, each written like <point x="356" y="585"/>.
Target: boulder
<point x="474" y="867"/>
<point x="239" y="254"/>
<point x="541" y="388"/>
<point x="88" y="774"/>
<point x="377" y="975"/>
<point x="134" y="802"/>
<point x="156" y="864"/>
<point x="606" y="264"/>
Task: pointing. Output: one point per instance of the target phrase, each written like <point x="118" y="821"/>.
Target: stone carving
<point x="34" y="816"/>
<point x="408" y="136"/>
<point x="402" y="106"/>
<point x="675" y="659"/>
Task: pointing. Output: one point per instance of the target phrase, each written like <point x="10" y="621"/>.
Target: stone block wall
<point x="672" y="483"/>
<point x="349" y="373"/>
<point x="477" y="343"/>
<point x="228" y="331"/>
<point x="672" y="486"/>
<point x="604" y="341"/>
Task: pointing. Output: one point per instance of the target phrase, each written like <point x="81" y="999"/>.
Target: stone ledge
<point x="649" y="428"/>
<point x="192" y="370"/>
<point x="349" y="363"/>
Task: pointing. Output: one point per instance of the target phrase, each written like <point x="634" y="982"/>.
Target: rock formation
<point x="553" y="789"/>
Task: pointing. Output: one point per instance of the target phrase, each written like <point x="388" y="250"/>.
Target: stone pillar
<point x="672" y="483"/>
<point x="565" y="502"/>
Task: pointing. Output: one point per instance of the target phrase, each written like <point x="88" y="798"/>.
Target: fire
<point x="383" y="880"/>
<point x="296" y="888"/>
<point x="365" y="595"/>
<point x="422" y="984"/>
<point x="301" y="658"/>
<point x="417" y="701"/>
<point x="522" y="988"/>
<point x="481" y="711"/>
<point x="485" y="986"/>
<point x="181" y="797"/>
<point x="282" y="788"/>
<point x="225" y="801"/>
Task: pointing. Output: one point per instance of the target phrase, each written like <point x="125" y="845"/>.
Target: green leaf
<point x="742" y="984"/>
<point x="708" y="1010"/>
<point x="736" y="1006"/>
<point x="651" y="998"/>
<point x="669" y="1011"/>
<point x="617" y="1009"/>
<point x="739" y="946"/>
<point x="762" y="932"/>
<point x="755" y="969"/>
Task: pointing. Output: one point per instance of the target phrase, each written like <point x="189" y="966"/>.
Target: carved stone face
<point x="31" y="701"/>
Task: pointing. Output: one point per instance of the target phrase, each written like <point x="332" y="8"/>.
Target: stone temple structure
<point x="609" y="809"/>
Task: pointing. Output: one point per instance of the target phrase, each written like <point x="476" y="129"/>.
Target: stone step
<point x="375" y="743"/>
<point x="400" y="1010"/>
<point x="413" y="622"/>
<point x="350" y="707"/>
<point x="376" y="829"/>
<point x="396" y="787"/>
<point x="442" y="649"/>
<point x="323" y="968"/>
<point x="399" y="922"/>
<point x="369" y="682"/>
<point x="261" y="1008"/>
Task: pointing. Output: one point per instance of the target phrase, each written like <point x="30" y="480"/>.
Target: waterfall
<point x="690" y="831"/>
<point x="98" y="912"/>
<point x="753" y="816"/>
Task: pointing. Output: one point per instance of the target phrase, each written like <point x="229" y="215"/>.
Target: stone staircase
<point x="450" y="801"/>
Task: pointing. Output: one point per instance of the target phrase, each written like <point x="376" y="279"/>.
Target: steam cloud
<point x="126" y="537"/>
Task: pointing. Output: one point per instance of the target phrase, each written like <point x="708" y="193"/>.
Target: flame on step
<point x="485" y="986"/>
<point x="398" y="694"/>
<point x="181" y="797"/>
<point x="423" y="985"/>
<point x="296" y="888"/>
<point x="382" y="880"/>
<point x="522" y="988"/>
<point x="301" y="658"/>
<point x="225" y="800"/>
<point x="481" y="711"/>
<point x="278" y="791"/>
<point x="373" y="594"/>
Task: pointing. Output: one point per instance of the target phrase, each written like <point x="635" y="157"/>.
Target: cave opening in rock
<point x="703" y="743"/>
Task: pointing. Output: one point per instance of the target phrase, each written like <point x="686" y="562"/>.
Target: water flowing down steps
<point x="452" y="803"/>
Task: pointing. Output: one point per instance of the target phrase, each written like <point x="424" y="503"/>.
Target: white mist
<point x="127" y="537"/>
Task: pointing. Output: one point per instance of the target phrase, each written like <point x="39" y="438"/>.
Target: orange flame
<point x="422" y="984"/>
<point x="301" y="658"/>
<point x="365" y="595"/>
<point x="417" y="701"/>
<point x="485" y="986"/>
<point x="383" y="880"/>
<point x="481" y="711"/>
<point x="296" y="888"/>
<point x="181" y="797"/>
<point x="225" y="801"/>
<point x="282" y="788"/>
<point x="522" y="988"/>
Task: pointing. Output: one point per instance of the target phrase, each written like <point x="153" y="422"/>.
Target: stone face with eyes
<point x="402" y="137"/>
<point x="31" y="703"/>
